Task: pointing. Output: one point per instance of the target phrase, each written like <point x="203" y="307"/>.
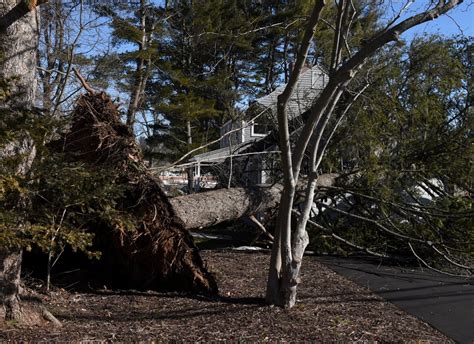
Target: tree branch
<point x="84" y="83"/>
<point x="17" y="12"/>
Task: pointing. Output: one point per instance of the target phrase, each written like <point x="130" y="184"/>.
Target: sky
<point x="459" y="21"/>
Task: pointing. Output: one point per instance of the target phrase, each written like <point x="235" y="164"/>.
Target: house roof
<point x="310" y="84"/>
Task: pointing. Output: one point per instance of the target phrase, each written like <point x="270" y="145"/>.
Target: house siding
<point x="236" y="137"/>
<point x="247" y="133"/>
<point x="310" y="84"/>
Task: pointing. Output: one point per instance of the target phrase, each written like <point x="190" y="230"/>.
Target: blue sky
<point x="461" y="17"/>
<point x="458" y="21"/>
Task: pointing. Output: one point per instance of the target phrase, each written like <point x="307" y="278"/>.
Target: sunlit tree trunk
<point x="18" y="43"/>
<point x="190" y="170"/>
<point x="142" y="69"/>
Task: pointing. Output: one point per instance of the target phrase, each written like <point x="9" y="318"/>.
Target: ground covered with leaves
<point x="330" y="308"/>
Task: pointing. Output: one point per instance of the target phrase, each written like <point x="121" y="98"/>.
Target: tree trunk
<point x="283" y="271"/>
<point x="18" y="43"/>
<point x="190" y="170"/>
<point x="209" y="208"/>
<point x="10" y="282"/>
<point x="141" y="71"/>
<point x="281" y="257"/>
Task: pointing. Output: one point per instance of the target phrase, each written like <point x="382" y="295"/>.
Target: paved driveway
<point x="447" y="303"/>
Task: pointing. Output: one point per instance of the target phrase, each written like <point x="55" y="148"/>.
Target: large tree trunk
<point x="209" y="208"/>
<point x="18" y="42"/>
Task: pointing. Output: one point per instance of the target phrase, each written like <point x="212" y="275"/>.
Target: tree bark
<point x="209" y="208"/>
<point x="141" y="71"/>
<point x="10" y="282"/>
<point x="18" y="43"/>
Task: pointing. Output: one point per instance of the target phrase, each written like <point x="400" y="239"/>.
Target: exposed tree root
<point x="159" y="253"/>
<point x="31" y="311"/>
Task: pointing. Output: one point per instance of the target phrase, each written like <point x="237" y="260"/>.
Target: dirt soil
<point x="330" y="308"/>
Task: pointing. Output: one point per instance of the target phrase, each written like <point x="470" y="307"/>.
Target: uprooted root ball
<point x="158" y="253"/>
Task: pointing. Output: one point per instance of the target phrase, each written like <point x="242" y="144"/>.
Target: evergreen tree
<point x="409" y="141"/>
<point x="135" y="32"/>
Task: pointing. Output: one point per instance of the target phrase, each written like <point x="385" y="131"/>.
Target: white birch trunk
<point x="289" y="245"/>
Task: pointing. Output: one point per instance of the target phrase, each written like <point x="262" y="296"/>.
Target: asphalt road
<point x="447" y="303"/>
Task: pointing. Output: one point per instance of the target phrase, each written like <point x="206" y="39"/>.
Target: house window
<point x="260" y="129"/>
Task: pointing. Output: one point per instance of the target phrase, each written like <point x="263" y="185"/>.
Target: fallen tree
<point x="158" y="253"/>
<point x="213" y="207"/>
